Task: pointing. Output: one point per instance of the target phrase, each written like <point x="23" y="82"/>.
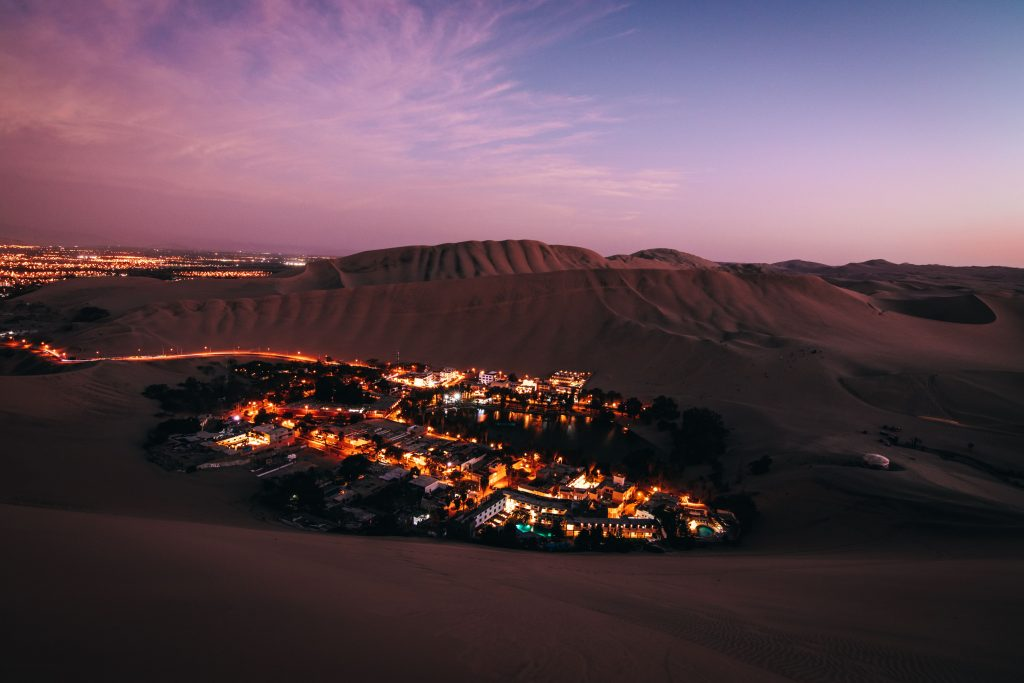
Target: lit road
<point x="276" y="355"/>
<point x="50" y="353"/>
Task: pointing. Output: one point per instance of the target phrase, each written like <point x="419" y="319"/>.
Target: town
<point x="405" y="449"/>
<point x="26" y="267"/>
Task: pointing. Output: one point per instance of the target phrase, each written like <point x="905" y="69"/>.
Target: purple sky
<point x="754" y="131"/>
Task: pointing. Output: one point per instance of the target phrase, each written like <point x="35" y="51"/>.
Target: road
<point x="46" y="351"/>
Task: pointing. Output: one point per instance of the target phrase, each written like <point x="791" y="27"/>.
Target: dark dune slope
<point x="958" y="308"/>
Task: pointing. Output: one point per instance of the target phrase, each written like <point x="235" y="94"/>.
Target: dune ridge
<point x="462" y="260"/>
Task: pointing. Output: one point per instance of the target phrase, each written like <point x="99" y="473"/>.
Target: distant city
<point x="24" y="267"/>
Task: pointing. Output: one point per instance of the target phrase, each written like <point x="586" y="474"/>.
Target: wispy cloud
<point x="325" y="101"/>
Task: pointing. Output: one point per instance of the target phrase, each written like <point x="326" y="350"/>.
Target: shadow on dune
<point x="965" y="309"/>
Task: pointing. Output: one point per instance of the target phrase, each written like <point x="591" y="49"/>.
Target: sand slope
<point x="121" y="571"/>
<point x="935" y="292"/>
<point x="207" y="602"/>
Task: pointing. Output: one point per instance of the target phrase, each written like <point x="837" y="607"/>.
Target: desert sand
<point x="117" y="570"/>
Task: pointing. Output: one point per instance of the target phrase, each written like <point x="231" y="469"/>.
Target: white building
<point x="448" y="376"/>
<point x="526" y="386"/>
<point x="488" y="376"/>
<point x="428" y="484"/>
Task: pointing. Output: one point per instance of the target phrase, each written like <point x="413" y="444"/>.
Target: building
<point x="395" y="474"/>
<point x="488" y="508"/>
<point x="258" y="438"/>
<point x="645" y="527"/>
<point x="427" y="484"/>
<point x="568" y="381"/>
<point x="490" y="376"/>
<point x="506" y="501"/>
<point x="382" y="407"/>
<point x="616" y="489"/>
<point x="449" y="376"/>
<point x="273" y="435"/>
<point x="526" y="386"/>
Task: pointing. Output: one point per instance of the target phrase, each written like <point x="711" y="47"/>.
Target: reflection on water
<point x="579" y="437"/>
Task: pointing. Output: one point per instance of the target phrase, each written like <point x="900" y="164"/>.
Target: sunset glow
<point x="735" y="130"/>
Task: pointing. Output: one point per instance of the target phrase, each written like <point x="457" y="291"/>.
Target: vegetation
<point x="632" y="406"/>
<point x="167" y="428"/>
<point x="196" y="396"/>
<point x="760" y="466"/>
<point x="335" y="389"/>
<point x="740" y="504"/>
<point x="701" y="437"/>
<point x="662" y="408"/>
<point x="284" y="381"/>
<point x="298" y="491"/>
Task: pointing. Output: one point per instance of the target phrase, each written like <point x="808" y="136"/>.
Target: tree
<point x="297" y="491"/>
<point x="160" y="433"/>
<point x="740" y="504"/>
<point x="638" y="462"/>
<point x="662" y="408"/>
<point x="632" y="407"/>
<point x="582" y="541"/>
<point x="716" y="476"/>
<point x="760" y="466"/>
<point x="701" y="437"/>
<point x="507" y="537"/>
<point x="596" y="396"/>
<point x="488" y="534"/>
<point x="668" y="520"/>
<point x="351" y="467"/>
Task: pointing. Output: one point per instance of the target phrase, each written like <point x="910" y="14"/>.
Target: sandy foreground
<point x="117" y="570"/>
<point x="121" y="598"/>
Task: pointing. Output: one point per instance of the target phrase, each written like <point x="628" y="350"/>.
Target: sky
<point x="737" y="130"/>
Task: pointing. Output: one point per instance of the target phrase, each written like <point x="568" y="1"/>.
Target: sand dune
<point x="852" y="575"/>
<point x="461" y="260"/>
<point x="208" y="602"/>
<point x="974" y="278"/>
<point x="478" y="259"/>
<point x="957" y="308"/>
<point x="742" y="340"/>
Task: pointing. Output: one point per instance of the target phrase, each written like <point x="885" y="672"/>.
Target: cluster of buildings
<point x="470" y="467"/>
<point x="221" y="444"/>
<point x="425" y="379"/>
<point x="560" y="501"/>
<point x="383" y="406"/>
<point x="560" y="383"/>
<point x="470" y="486"/>
<point x="22" y="265"/>
<point x="413" y="479"/>
<point x="478" y="383"/>
<point x="259" y="438"/>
